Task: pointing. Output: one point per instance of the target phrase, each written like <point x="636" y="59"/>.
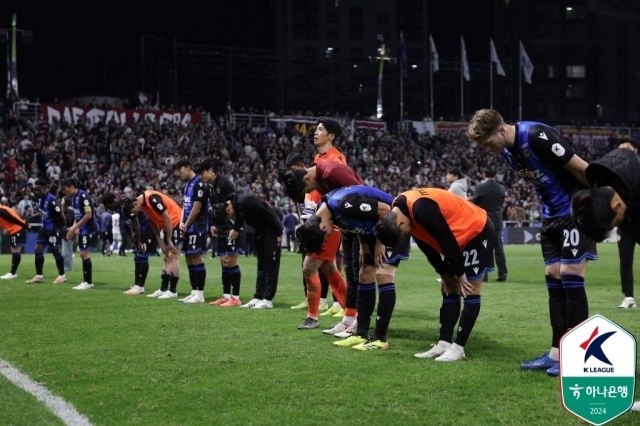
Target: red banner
<point x="589" y="136"/>
<point x="122" y="116"/>
<point x="451" y="129"/>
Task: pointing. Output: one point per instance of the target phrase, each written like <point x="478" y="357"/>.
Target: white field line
<point x="61" y="408"/>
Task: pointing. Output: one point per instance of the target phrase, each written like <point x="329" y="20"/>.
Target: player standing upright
<point x="53" y="222"/>
<point x="194" y="226"/>
<point x="228" y="249"/>
<point x="85" y="216"/>
<point x="538" y="153"/>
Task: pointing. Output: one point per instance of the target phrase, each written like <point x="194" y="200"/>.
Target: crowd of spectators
<point x="139" y="156"/>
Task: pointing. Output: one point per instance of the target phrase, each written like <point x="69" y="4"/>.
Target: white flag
<point x="434" y="55"/>
<point x="527" y="66"/>
<point x="495" y="60"/>
<point x="465" y="63"/>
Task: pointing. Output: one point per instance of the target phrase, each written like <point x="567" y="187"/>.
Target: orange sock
<point x="313" y="295"/>
<point x="339" y="287"/>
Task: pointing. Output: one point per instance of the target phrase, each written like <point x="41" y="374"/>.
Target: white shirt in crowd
<point x="53" y="172"/>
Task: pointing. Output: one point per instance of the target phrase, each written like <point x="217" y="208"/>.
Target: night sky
<point x="72" y="38"/>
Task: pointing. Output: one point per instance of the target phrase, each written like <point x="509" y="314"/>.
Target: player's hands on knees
<point x="183" y="228"/>
<point x="380" y="255"/>
<point x="465" y="285"/>
<point x="233" y="234"/>
<point x="447" y="282"/>
<point x="214" y="231"/>
<point x="140" y="248"/>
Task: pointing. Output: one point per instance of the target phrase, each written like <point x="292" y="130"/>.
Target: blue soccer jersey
<point x="196" y="190"/>
<point x="50" y="211"/>
<point x="83" y="203"/>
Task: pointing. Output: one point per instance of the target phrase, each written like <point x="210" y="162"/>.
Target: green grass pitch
<point x="131" y="360"/>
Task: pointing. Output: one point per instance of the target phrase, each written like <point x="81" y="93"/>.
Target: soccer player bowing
<point x="85" y="215"/>
<point x="356" y="210"/>
<point x="194" y="226"/>
<point x="444" y="224"/>
<point x="257" y="213"/>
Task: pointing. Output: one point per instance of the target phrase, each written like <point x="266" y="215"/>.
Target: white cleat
<point x="628" y="302"/>
<point x="435" y="351"/>
<point x="338" y="328"/>
<point x="36" y="280"/>
<point x="252" y="303"/>
<point x="168" y="295"/>
<point x="451" y="355"/>
<point x="184" y="299"/>
<point x="193" y="300"/>
<point x="156" y="293"/>
<point x="264" y="304"/>
<point x="348" y="332"/>
<point x="83" y="286"/>
<point x="136" y="289"/>
<point x="9" y="276"/>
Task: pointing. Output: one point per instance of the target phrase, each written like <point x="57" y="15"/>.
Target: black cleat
<point x="308" y="324"/>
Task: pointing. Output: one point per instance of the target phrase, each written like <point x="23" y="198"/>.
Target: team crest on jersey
<point x="365" y="207"/>
<point x="159" y="206"/>
<point x="86" y="202"/>
<point x="200" y="193"/>
<point x="557" y="149"/>
<point x="526" y="153"/>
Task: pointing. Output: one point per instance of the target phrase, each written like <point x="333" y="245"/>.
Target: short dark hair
<point x="332" y="126"/>
<point x="40" y="182"/>
<point x="294" y="183"/>
<point x="294" y="159"/>
<point x="204" y="165"/>
<point x="126" y="205"/>
<point x="310" y="236"/>
<point x="592" y="213"/>
<point x="219" y="212"/>
<point x="490" y="173"/>
<point x="108" y="198"/>
<point x="183" y="162"/>
<point x="386" y="230"/>
<point x="455" y="172"/>
<point x="70" y="182"/>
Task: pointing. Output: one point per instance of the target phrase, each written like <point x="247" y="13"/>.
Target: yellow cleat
<point x="350" y="341"/>
<point x="330" y="312"/>
<point x="372" y="345"/>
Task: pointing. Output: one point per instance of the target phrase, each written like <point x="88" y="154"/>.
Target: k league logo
<point x="597" y="370"/>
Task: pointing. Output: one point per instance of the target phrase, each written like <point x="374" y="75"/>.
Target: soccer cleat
<point x="543" y="362"/>
<point x="635" y="406"/>
<point x="338" y="328"/>
<point x="219" y="302"/>
<point x="348" y="331"/>
<point x="554" y="371"/>
<point x="9" y="276"/>
<point x="186" y="298"/>
<point x="83" y="286"/>
<point x="435" y="351"/>
<point x="628" y="302"/>
<point x="168" y="295"/>
<point x="61" y="279"/>
<point x="264" y="304"/>
<point x="372" y="345"/>
<point x="308" y="324"/>
<point x="323" y="306"/>
<point x="156" y="293"/>
<point x="302" y="305"/>
<point x="330" y="312"/>
<point x="350" y="341"/>
<point x="252" y="303"/>
<point x="193" y="300"/>
<point x="231" y="302"/>
<point x="451" y="355"/>
<point x="136" y="289"/>
<point x="339" y="314"/>
<point x="36" y="280"/>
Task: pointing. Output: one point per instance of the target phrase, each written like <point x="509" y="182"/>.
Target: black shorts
<point x="19" y="239"/>
<point x="107" y="236"/>
<point x="176" y="240"/>
<point x="87" y="242"/>
<point x="195" y="242"/>
<point x="478" y="253"/>
<point x="562" y="242"/>
<point x="228" y="247"/>
<point x="394" y="254"/>
<point x="49" y="237"/>
<point x="149" y="243"/>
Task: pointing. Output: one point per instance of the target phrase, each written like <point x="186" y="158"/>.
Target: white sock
<point x="553" y="354"/>
<point x="236" y="297"/>
<point x="226" y="296"/>
<point x="456" y="347"/>
<point x="39" y="276"/>
<point x="323" y="301"/>
<point x="193" y="293"/>
<point x="337" y="305"/>
<point x="348" y="320"/>
<point x="444" y="345"/>
<point x="200" y="294"/>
